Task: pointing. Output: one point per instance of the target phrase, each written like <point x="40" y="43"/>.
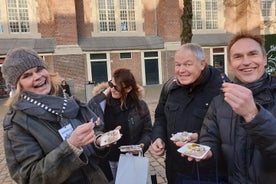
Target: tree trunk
<point x="187" y="18"/>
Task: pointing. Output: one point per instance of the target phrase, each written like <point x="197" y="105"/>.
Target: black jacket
<point x="249" y="149"/>
<point x="182" y="108"/>
<point x="140" y="128"/>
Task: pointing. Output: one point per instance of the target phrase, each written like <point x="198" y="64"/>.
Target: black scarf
<point x="257" y="86"/>
<point x="199" y="83"/>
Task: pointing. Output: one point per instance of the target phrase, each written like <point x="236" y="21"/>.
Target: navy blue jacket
<point x="249" y="149"/>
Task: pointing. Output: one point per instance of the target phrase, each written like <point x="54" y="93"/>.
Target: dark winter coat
<point x="36" y="153"/>
<point x="182" y="108"/>
<point x="140" y="127"/>
<point x="249" y="149"/>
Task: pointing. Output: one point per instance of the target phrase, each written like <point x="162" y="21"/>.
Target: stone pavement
<point x="156" y="163"/>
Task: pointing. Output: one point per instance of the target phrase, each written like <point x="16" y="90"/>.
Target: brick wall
<point x="83" y="14"/>
<point x="58" y="19"/>
<point x="134" y="64"/>
<point x="149" y="14"/>
<point x="46" y="14"/>
<point x="72" y="68"/>
<point x="169" y="20"/>
<point x="66" y="24"/>
<point x="167" y="65"/>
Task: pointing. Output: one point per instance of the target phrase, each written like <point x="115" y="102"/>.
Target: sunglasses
<point x="111" y="85"/>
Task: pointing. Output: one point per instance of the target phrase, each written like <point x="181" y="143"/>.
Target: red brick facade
<point x="68" y="21"/>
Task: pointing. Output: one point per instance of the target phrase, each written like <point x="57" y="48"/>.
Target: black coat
<point x="140" y="127"/>
<point x="182" y="108"/>
<point x="249" y="149"/>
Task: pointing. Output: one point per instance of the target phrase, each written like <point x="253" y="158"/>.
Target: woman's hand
<point x="98" y="140"/>
<point x="82" y="135"/>
<point x="158" y="147"/>
<point x="136" y="152"/>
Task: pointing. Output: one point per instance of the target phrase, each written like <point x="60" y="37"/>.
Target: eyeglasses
<point x="111" y="85"/>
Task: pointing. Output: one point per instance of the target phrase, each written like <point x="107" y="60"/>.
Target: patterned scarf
<point x="53" y="102"/>
<point x="56" y="103"/>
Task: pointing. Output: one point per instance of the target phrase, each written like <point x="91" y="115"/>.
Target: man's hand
<point x="192" y="138"/>
<point x="207" y="156"/>
<point x="240" y="99"/>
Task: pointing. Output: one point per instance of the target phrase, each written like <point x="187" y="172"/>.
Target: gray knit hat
<point x="18" y="61"/>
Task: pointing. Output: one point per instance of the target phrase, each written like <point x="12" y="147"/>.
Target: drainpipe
<point x="156" y="21"/>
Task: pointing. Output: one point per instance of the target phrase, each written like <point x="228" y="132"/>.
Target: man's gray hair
<point x="195" y="48"/>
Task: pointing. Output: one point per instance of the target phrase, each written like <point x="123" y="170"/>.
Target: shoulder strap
<point x="168" y="86"/>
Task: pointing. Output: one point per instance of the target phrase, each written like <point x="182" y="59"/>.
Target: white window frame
<point x="138" y="20"/>
<point x="33" y="21"/>
<point x="271" y="11"/>
<point x="220" y="18"/>
<point x="269" y="25"/>
<point x="143" y="65"/>
<point x="88" y="64"/>
<point x="125" y="58"/>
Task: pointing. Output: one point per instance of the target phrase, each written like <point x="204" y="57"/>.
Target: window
<point x="151" y="67"/>
<point x="117" y="17"/>
<point x="18" y="19"/>
<point x="268" y="8"/>
<point x="108" y="14"/>
<point x="18" y="16"/>
<point x="207" y="15"/>
<point x="127" y="15"/>
<point x="98" y="65"/>
<point x="218" y="58"/>
<point x="125" y="55"/>
<point x="197" y="15"/>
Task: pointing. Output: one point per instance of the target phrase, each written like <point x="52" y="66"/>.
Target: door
<point x="98" y="67"/>
<point x="151" y="67"/>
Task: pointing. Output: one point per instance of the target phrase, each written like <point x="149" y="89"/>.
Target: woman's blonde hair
<point x="19" y="90"/>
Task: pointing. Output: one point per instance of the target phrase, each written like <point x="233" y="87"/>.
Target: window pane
<point x="151" y="54"/>
<point x="106" y="15"/>
<point x="127" y="15"/>
<point x="97" y="56"/>
<point x="18" y="16"/>
<point x="218" y="50"/>
<point x="205" y="14"/>
<point x="151" y="70"/>
<point x="117" y="18"/>
<point x="266" y="7"/>
<point x="218" y="61"/>
<point x="125" y="55"/>
<point x="197" y="15"/>
<point x="211" y="14"/>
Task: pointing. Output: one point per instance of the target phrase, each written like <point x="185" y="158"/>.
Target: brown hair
<point x="124" y="79"/>
<point x="259" y="39"/>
